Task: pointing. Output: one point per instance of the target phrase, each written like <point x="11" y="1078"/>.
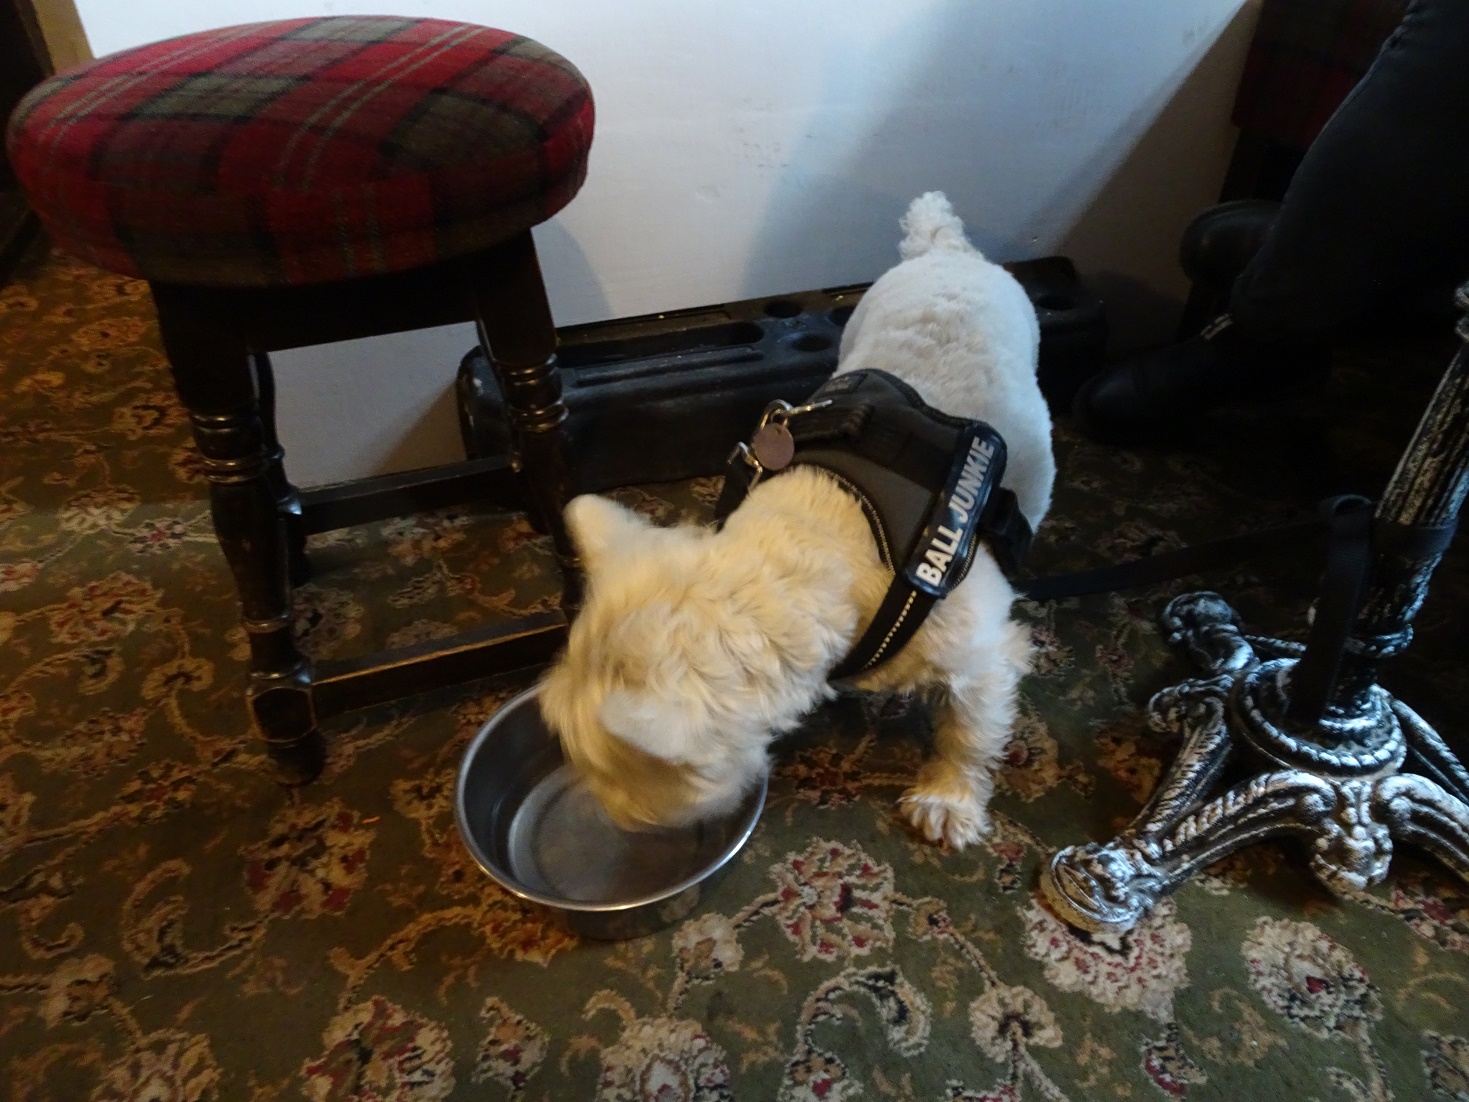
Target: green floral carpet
<point x="175" y="927"/>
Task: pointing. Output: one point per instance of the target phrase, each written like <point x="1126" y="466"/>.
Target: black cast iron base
<point x="1348" y="776"/>
<point x="1347" y="795"/>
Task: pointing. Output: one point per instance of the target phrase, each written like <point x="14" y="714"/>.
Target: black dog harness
<point x="928" y="483"/>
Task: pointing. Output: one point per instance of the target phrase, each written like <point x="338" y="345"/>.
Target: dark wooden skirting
<point x="19" y="230"/>
<point x="365" y="500"/>
<point x="24" y="63"/>
<point x="347" y="684"/>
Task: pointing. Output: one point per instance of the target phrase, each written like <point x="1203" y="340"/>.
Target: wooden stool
<point x="298" y="182"/>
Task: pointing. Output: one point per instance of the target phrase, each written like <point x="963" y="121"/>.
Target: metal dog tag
<point x="773" y="446"/>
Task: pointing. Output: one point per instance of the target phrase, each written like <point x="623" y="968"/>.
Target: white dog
<point x="696" y="647"/>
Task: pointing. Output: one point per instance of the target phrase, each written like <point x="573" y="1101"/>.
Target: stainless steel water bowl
<point x="534" y="827"/>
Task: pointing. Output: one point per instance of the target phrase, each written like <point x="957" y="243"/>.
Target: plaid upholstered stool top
<point x="303" y="151"/>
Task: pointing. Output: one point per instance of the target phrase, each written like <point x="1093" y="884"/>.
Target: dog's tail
<point x="932" y="224"/>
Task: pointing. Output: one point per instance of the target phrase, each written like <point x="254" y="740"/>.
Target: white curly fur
<point x="696" y="648"/>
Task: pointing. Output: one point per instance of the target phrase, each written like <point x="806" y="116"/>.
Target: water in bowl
<point x="560" y="842"/>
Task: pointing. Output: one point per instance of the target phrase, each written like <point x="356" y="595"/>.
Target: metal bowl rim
<point x="514" y="888"/>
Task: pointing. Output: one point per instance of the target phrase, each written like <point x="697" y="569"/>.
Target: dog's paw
<point x="944" y="809"/>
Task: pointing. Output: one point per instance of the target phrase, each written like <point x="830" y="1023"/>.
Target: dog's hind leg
<point x="973" y="718"/>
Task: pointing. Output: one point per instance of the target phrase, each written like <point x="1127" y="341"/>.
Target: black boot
<point x="1163" y="394"/>
<point x="1216" y="246"/>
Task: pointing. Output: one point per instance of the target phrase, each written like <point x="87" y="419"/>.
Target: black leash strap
<point x="1354" y="540"/>
<point x="1173" y="564"/>
<point x="1348" y="558"/>
<point x="972" y="508"/>
<point x="739" y="474"/>
<point x="1357" y="539"/>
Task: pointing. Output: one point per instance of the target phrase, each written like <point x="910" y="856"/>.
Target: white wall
<point x="769" y="146"/>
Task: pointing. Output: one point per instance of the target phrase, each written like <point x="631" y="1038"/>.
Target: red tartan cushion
<point x="303" y="151"/>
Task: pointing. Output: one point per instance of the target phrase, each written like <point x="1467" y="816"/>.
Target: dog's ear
<point x="666" y="729"/>
<point x="601" y="528"/>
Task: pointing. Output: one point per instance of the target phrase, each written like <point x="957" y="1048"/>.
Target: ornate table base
<point x="1344" y="766"/>
<point x="1347" y="801"/>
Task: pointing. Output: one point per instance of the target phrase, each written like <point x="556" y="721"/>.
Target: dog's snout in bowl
<point x="533" y="826"/>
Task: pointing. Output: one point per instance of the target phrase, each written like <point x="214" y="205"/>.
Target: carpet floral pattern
<point x="174" y="927"/>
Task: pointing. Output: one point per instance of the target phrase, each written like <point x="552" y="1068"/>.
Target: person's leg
<point x="1379" y="208"/>
<point x="1376" y="213"/>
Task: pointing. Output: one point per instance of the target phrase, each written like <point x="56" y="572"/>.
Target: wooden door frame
<point x="25" y="60"/>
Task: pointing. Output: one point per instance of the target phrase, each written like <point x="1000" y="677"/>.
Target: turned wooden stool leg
<point x="519" y="340"/>
<point x="215" y="382"/>
<point x="287" y="497"/>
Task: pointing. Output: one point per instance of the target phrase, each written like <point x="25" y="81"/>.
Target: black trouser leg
<point x="1378" y="212"/>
